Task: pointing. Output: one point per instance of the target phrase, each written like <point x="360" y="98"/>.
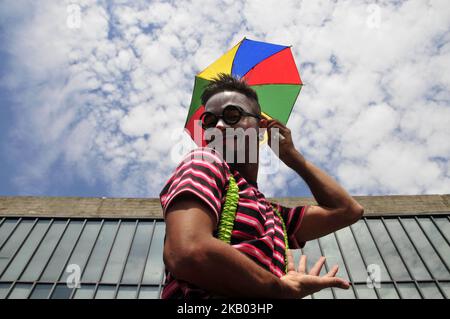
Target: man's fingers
<point x="302" y="264"/>
<point x="333" y="271"/>
<point x="290" y="260"/>
<point x="335" y="282"/>
<point x="315" y="270"/>
<point x="278" y="125"/>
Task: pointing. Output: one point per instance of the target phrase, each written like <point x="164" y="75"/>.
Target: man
<point x="198" y="265"/>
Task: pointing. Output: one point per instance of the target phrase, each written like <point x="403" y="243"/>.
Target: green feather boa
<point x="228" y="216"/>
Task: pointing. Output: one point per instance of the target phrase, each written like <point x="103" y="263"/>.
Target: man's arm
<point x="336" y="209"/>
<point x="192" y="254"/>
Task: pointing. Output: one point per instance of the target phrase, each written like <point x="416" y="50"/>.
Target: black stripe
<point x="205" y="184"/>
<point x="202" y="169"/>
<point x="248" y="229"/>
<point x="252" y="213"/>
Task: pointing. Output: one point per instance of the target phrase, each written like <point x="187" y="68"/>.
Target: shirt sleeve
<point x="292" y="217"/>
<point x="202" y="173"/>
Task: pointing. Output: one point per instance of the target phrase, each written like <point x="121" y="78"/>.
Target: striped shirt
<point x="257" y="232"/>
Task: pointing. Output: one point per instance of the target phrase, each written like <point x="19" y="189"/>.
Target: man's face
<point x="250" y="124"/>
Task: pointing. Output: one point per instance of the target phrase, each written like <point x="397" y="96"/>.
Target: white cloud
<point x="110" y="98"/>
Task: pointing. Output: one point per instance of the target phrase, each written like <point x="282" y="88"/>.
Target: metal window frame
<point x="362" y="257"/>
<point x="151" y="242"/>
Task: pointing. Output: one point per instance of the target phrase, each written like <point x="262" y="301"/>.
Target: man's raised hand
<point x="300" y="284"/>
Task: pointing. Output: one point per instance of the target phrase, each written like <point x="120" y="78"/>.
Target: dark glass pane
<point x="127" y="292"/>
<point x="44" y="251"/>
<point x="324" y="294"/>
<point x="387" y="291"/>
<point x="85" y="292"/>
<point x="26" y="251"/>
<point x="333" y="255"/>
<point x="430" y="290"/>
<point x="61" y="292"/>
<point x="84" y="247"/>
<point x="105" y="292"/>
<point x="344" y="293"/>
<point x="100" y="253"/>
<point x="119" y="253"/>
<point x="390" y="254"/>
<point x="154" y="268"/>
<point x="445" y="286"/>
<point x="58" y="260"/>
<point x="41" y="291"/>
<point x="409" y="291"/>
<point x="444" y="225"/>
<point x="407" y="250"/>
<point x="425" y="249"/>
<point x="20" y="291"/>
<point x="436" y="238"/>
<point x="6" y="228"/>
<point x="351" y="254"/>
<point x="4" y="288"/>
<point x="364" y="292"/>
<point x="138" y="253"/>
<point x="149" y="292"/>
<point x="312" y="252"/>
<point x="13" y="243"/>
<point x="368" y="248"/>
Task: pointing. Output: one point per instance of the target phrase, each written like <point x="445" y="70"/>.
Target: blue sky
<point x="93" y="95"/>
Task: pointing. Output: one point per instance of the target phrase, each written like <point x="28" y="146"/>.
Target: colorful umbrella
<point x="268" y="68"/>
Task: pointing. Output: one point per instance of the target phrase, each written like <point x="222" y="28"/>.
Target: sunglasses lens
<point x="231" y="115"/>
<point x="209" y="120"/>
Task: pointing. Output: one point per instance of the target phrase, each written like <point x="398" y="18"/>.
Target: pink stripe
<point x="211" y="181"/>
<point x="278" y="256"/>
<point x="269" y="222"/>
<point x="268" y="241"/>
<point x="207" y="165"/>
<point x="241" y="182"/>
<point x="241" y="234"/>
<point x="279" y="229"/>
<point x="249" y="221"/>
<point x="277" y="271"/>
<point x="251" y="250"/>
<point x="246" y="192"/>
<point x="250" y="205"/>
<point x="261" y="205"/>
<point x="279" y="242"/>
<point x="247" y="204"/>
<point x="169" y="289"/>
<point x="202" y="188"/>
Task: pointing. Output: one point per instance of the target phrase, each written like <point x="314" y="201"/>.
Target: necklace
<point x="228" y="216"/>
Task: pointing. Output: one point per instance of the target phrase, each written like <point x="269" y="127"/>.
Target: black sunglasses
<point x="231" y="115"/>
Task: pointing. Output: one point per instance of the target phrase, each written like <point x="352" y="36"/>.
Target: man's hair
<point x="227" y="82"/>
